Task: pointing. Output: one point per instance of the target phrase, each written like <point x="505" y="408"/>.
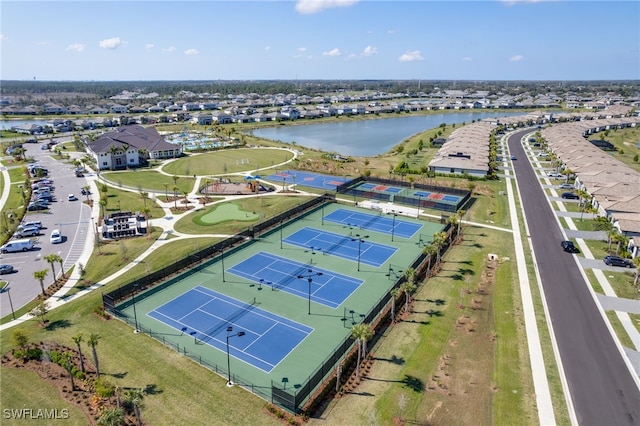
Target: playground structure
<point x="225" y="186"/>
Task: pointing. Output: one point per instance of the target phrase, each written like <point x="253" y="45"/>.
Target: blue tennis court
<point x="206" y="314"/>
<point x="314" y="180"/>
<point x="347" y="246"/>
<point x="422" y="194"/>
<point x="374" y="222"/>
<point x="327" y="287"/>
<point x="379" y="188"/>
<point x="451" y="198"/>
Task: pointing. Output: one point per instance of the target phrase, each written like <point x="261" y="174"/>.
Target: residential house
<point x="130" y="146"/>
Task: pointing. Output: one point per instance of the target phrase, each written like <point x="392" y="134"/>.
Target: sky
<point x="122" y="40"/>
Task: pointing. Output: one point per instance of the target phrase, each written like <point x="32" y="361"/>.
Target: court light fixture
<point x="238" y="334"/>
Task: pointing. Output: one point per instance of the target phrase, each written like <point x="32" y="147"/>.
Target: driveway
<point x="73" y="218"/>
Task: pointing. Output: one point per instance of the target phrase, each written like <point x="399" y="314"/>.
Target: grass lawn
<point x="443" y="357"/>
<point x="121" y="200"/>
<point x="625" y="141"/>
<point x="149" y="180"/>
<point x="227" y="161"/>
<point x="265" y="207"/>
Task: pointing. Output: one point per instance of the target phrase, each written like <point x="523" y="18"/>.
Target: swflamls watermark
<point x="35" y="413"/>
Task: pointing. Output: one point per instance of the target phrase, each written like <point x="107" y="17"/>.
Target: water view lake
<point x="366" y="138"/>
<point x="360" y="138"/>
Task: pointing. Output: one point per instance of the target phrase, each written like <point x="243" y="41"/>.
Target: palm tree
<point x="430" y="251"/>
<point x="439" y="239"/>
<point x="144" y="196"/>
<point x="636" y="262"/>
<point x="111" y="417"/>
<point x="166" y="191"/>
<point x="459" y="214"/>
<point x="133" y="398"/>
<point x="51" y="259"/>
<point x="175" y="196"/>
<point x="103" y="204"/>
<point x="93" y="342"/>
<point x="620" y="239"/>
<point x="77" y="340"/>
<point x="407" y="288"/>
<point x="394" y="295"/>
<point x="40" y="275"/>
<point x="113" y="150"/>
<point x="361" y="332"/>
<point x="611" y="236"/>
<point x="68" y="365"/>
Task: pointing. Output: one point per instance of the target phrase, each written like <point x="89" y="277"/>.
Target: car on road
<point x="72" y="197"/>
<point x="513" y="157"/>
<point x="56" y="236"/>
<point x="84" y="191"/>
<point x="565" y="186"/>
<point x="612" y="260"/>
<point x="6" y="269"/>
<point x="569" y="196"/>
<point x="569" y="247"/>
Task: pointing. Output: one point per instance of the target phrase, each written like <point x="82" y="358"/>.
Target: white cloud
<point x="301" y="49"/>
<point x="411" y="56"/>
<point x="76" y="47"/>
<point x="369" y="50"/>
<point x="111" y="43"/>
<point x="390" y="32"/>
<point x="516" y="58"/>
<point x="350" y="56"/>
<point x="169" y="49"/>
<point x="267" y="48"/>
<point x="191" y="52"/>
<point x="466" y="59"/>
<point x="333" y="52"/>
<point x="307" y="7"/>
<point x="149" y="46"/>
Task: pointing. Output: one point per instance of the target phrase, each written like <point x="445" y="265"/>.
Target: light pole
<point x="280" y="234"/>
<point x="309" y="276"/>
<point x="10" y="301"/>
<point x="393" y="226"/>
<point x="239" y="334"/>
<point x="419" y="206"/>
<point x="222" y="261"/>
<point x="133" y="301"/>
<point x="360" y="240"/>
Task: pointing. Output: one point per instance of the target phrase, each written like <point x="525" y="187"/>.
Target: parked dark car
<point x="569" y="247"/>
<point x="6" y="269"/>
<point x="618" y="261"/>
<point x="569" y="196"/>
<point x="37" y="206"/>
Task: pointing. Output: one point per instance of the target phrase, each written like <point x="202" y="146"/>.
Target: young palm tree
<point x="439" y="239"/>
<point x="51" y="259"/>
<point x="636" y="262"/>
<point x="111" y="417"/>
<point x="407" y="288"/>
<point x="133" y="399"/>
<point x="361" y="332"/>
<point x="40" y="275"/>
<point x="77" y="339"/>
<point x="394" y="295"/>
<point x="93" y="342"/>
<point x="430" y="251"/>
<point x="68" y="365"/>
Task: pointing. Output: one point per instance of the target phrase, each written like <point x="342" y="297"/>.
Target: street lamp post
<point x="360" y="240"/>
<point x="222" y="262"/>
<point x="309" y="277"/>
<point x="133" y="301"/>
<point x="238" y="334"/>
<point x="393" y="226"/>
<point x="419" y="206"/>
<point x="13" y="314"/>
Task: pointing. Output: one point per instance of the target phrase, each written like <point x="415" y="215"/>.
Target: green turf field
<point x="330" y="326"/>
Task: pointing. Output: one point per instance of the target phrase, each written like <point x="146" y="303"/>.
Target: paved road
<point x="71" y="217"/>
<point x="602" y="389"/>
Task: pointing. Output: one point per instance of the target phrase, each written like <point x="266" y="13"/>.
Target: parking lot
<point x="71" y="218"/>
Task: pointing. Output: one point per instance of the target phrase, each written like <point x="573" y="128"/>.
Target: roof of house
<point x="133" y="136"/>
